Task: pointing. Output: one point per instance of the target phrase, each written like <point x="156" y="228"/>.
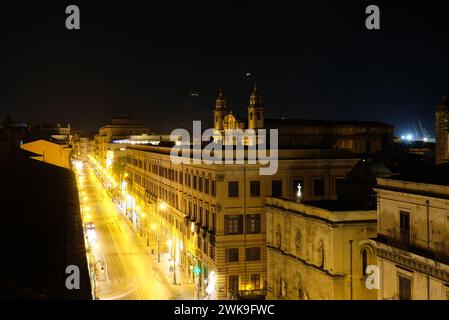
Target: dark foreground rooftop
<point x="41" y="230"/>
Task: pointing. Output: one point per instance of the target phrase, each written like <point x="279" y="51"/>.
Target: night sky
<point x="310" y="59"/>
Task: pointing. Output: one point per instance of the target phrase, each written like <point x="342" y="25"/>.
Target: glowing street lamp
<point x="163" y="206"/>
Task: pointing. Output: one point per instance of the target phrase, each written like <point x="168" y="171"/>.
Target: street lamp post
<point x="94" y="276"/>
<point x="158" y="246"/>
<point x="162" y="207"/>
<point x="146" y="231"/>
<point x="142" y="216"/>
<point x="173" y="255"/>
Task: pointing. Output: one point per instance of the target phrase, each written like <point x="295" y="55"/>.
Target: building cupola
<point x="255" y="110"/>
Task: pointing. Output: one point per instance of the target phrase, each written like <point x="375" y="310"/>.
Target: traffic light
<point x="197" y="270"/>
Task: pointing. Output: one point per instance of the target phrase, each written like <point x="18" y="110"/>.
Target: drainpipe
<point x="350" y="269"/>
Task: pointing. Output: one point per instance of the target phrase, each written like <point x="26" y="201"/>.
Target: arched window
<point x="364" y="261"/>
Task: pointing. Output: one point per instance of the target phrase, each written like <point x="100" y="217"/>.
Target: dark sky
<point x="310" y="59"/>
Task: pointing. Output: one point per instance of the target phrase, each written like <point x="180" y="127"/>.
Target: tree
<point x="119" y="167"/>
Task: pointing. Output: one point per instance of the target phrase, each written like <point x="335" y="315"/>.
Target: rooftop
<point x="273" y="123"/>
<point x="42" y="230"/>
<point x="328" y="210"/>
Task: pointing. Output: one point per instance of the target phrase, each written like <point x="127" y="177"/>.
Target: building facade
<point x="412" y="243"/>
<point x="57" y="154"/>
<point x="315" y="252"/>
<point x="359" y="137"/>
<point x="213" y="216"/>
<point x="118" y="128"/>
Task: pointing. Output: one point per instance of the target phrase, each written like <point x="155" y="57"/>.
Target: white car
<point x="90" y="226"/>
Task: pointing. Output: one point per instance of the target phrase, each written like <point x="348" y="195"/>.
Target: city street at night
<point x="125" y="269"/>
<point x="224" y="159"/>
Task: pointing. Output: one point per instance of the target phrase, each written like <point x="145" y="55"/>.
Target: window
<point x="298" y="189"/>
<point x="318" y="187"/>
<point x="338" y="182"/>
<point x="200" y="184"/>
<point x="254" y="188"/>
<point x="232" y="255"/>
<point x="206" y="186"/>
<point x="255" y="281"/>
<point x="213" y="188"/>
<point x="206" y="213"/>
<point x="405" y="288"/>
<point x="253" y="254"/>
<point x="368" y="146"/>
<point x="233" y="224"/>
<point x="404" y="222"/>
<point x="276" y="188"/>
<point x="233" y="189"/>
<point x="253" y="223"/>
<point x="233" y="283"/>
<point x="364" y="262"/>
<point x="212" y="251"/>
<point x="214" y="222"/>
<point x="195" y="182"/>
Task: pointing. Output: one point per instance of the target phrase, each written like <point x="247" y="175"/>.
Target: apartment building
<point x="412" y="244"/>
<point x="116" y="129"/>
<point x="212" y="217"/>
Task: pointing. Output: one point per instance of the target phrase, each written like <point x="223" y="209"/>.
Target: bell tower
<point x="255" y="110"/>
<point x="442" y="131"/>
<point x="219" y="111"/>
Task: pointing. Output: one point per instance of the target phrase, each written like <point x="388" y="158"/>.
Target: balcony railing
<point x="408" y="241"/>
<point x="258" y="294"/>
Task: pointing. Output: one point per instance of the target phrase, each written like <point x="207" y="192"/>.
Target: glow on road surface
<point x="130" y="272"/>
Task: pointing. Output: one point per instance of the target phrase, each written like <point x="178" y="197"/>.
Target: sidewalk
<point x="184" y="289"/>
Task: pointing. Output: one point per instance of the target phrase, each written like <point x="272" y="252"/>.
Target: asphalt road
<point x="124" y="268"/>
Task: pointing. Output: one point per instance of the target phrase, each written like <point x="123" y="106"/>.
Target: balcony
<point x="408" y="241"/>
<point x="258" y="294"/>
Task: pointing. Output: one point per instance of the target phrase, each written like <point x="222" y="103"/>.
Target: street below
<point x="121" y="264"/>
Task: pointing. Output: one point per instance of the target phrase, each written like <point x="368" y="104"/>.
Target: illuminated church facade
<point x="358" y="136"/>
